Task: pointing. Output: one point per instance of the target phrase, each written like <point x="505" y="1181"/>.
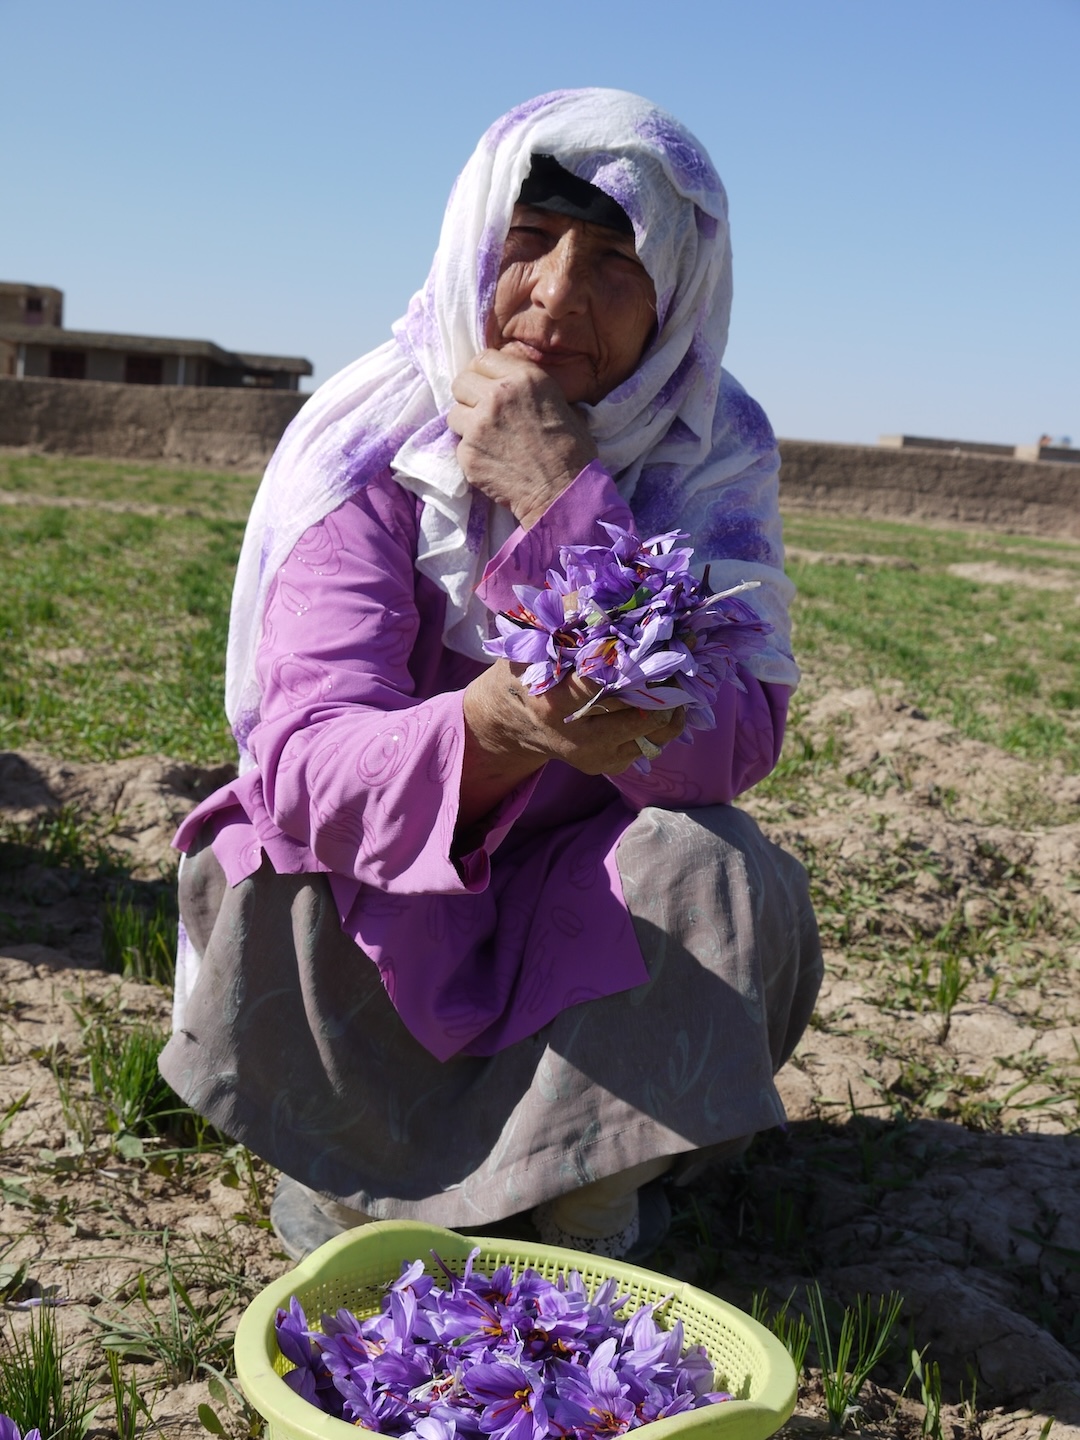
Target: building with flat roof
<point x="30" y="304"/>
<point x="34" y="344"/>
<point x="1044" y="449"/>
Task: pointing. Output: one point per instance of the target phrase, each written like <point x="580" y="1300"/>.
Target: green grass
<point x="60" y="839"/>
<point x="225" y="497"/>
<point x="997" y="661"/>
<point x="112" y="1087"/>
<point x="133" y="1417"/>
<point x="112" y="624"/>
<point x="124" y="1077"/>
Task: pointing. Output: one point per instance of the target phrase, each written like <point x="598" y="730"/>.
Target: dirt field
<point x="931" y="1148"/>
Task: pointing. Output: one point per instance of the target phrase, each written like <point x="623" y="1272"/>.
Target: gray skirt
<point x="289" y="1043"/>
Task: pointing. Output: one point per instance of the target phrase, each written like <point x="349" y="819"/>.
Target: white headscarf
<point x="684" y="442"/>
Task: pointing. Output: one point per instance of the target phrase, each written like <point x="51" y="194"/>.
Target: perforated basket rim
<point x="390" y="1242"/>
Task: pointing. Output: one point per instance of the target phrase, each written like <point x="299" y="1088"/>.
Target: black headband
<point x="548" y="186"/>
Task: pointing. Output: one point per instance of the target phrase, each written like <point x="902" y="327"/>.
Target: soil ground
<point x="931" y="1147"/>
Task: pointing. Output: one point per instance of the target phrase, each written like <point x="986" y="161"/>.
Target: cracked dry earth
<point x="932" y="1146"/>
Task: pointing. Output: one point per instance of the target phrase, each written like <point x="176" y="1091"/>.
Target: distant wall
<point x="234" y="429"/>
<point x="219" y="429"/>
<point x="1026" y="497"/>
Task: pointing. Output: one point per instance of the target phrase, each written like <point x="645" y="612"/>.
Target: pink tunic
<point x="358" y="756"/>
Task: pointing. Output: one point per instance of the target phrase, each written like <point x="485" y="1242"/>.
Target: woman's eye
<point x="525" y="242"/>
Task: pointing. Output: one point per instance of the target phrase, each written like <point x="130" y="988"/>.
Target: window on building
<point x="67" y="364"/>
<point x="143" y="370"/>
<point x="34" y="305"/>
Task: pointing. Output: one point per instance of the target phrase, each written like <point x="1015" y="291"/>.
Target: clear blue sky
<point x="904" y="178"/>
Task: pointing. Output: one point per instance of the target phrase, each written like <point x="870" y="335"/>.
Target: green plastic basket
<point x="352" y="1270"/>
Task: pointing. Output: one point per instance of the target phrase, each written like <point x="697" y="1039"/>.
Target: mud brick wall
<point x="236" y="429"/>
<point x="943" y="487"/>
<point x="220" y="429"/>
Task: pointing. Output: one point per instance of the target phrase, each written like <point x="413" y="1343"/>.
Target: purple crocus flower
<point x="558" y="1327"/>
<point x="654" y="1402"/>
<point x="475" y="1323"/>
<point x="594" y="1400"/>
<point x="444" y="1396"/>
<point x="311" y="1379"/>
<point x="433" y="1427"/>
<point x="543" y="632"/>
<point x="10" y="1431"/>
<point x="602" y="1309"/>
<point x="512" y="1395"/>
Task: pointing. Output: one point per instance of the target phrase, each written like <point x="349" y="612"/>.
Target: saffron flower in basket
<point x="633" y="618"/>
<point x="513" y="1359"/>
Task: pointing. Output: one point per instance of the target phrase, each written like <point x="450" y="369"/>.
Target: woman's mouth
<point x="542" y="353"/>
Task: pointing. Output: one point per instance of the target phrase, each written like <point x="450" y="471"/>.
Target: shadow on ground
<point x="980" y="1234"/>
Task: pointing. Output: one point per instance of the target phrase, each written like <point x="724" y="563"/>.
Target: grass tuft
<point x="188" y="1334"/>
<point x="849" y="1356"/>
<point x="139" y="942"/>
<point x="37" y="1385"/>
<point x="125" y="1077"/>
<point x="789" y="1327"/>
<point x="133" y="1415"/>
<point x="59" y="839"/>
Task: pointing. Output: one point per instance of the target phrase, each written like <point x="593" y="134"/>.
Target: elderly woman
<point x="446" y="956"/>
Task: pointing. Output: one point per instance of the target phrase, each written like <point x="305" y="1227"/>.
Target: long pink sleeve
<point x="355" y="765"/>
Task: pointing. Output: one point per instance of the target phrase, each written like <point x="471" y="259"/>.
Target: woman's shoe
<point x="297" y="1220"/>
<point x="634" y="1244"/>
<point x="654" y="1221"/>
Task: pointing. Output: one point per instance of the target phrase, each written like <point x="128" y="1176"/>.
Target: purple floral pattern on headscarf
<point x="733" y="528"/>
<point x="615" y="176"/>
<point x="478" y="518"/>
<point x="497" y="133"/>
<point x="488" y="264"/>
<point x="689" y="164"/>
<point x="670" y="392"/>
<point x="418" y="332"/>
<point x="749" y="423"/>
<point x="657" y="500"/>
<point x="367" y="453"/>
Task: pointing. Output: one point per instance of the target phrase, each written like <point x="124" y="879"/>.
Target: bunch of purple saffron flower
<point x="633" y="618"/>
<point x="511" y="1359"/>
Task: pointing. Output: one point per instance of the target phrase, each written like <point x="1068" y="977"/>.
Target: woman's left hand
<point x="510" y="734"/>
<point x="521" y="442"/>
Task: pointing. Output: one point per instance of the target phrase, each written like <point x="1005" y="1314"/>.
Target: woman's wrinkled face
<point x="573" y="298"/>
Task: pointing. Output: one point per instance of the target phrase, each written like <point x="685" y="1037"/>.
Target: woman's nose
<point x="562" y="284"/>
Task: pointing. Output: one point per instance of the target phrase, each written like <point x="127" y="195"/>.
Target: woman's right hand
<point x="521" y="443"/>
<point x="511" y="734"/>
